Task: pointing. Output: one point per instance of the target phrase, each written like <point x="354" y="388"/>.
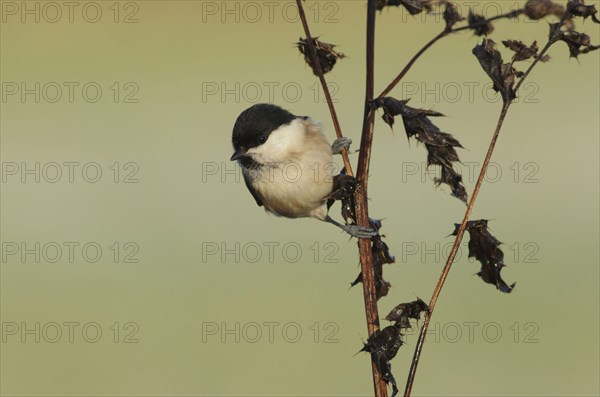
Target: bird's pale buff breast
<point x="299" y="173"/>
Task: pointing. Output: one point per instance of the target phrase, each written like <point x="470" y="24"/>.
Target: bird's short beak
<point x="237" y="155"/>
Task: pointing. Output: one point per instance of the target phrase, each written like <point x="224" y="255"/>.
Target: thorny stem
<point x="362" y="209"/>
<point x="463" y="226"/>
<point x="313" y="55"/>
<point x="431" y="42"/>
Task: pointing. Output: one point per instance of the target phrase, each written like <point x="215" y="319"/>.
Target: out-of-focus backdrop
<point x="135" y="263"/>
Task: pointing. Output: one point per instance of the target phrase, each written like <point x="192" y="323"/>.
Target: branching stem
<point x="461" y="231"/>
<point x="368" y="277"/>
<point x="410" y="63"/>
<point x="431" y="42"/>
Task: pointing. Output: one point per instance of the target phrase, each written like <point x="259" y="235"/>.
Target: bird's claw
<point x="341" y="144"/>
<point x="360" y="231"/>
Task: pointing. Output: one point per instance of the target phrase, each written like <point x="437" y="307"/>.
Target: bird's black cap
<point x="254" y="125"/>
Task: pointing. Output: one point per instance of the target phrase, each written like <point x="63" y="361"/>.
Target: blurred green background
<point x="160" y="276"/>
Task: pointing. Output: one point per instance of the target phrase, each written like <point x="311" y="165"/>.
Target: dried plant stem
<point x="410" y="63"/>
<point x="511" y="14"/>
<point x="535" y="62"/>
<point x="315" y="58"/>
<point x="431" y="42"/>
<point x="362" y="209"/>
<point x="368" y="276"/>
<point x="461" y="231"/>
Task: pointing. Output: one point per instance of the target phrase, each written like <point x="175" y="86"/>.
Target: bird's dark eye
<point x="262" y="139"/>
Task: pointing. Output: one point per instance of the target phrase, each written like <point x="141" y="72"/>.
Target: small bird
<point x="286" y="163"/>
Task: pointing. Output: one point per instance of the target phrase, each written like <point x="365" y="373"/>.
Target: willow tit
<point x="284" y="160"/>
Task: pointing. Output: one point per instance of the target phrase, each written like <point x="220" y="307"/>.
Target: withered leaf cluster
<point x="503" y="75"/>
<point x="484" y="247"/>
<point x="343" y="190"/>
<point x="524" y="52"/>
<point x="384" y="344"/>
<point x="412" y="6"/>
<point x="578" y="43"/>
<point x="381" y="256"/>
<point x="325" y="53"/>
<point x="344" y="187"/>
<point x="441" y="146"/>
<point x="577" y="8"/>
<point x="405" y="311"/>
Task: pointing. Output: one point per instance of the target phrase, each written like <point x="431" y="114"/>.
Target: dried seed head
<point x="451" y="15"/>
<point x="326" y="54"/>
<point x="480" y="25"/>
<point x="537" y="9"/>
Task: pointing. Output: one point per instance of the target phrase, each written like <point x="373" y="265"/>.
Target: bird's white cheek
<point x="265" y="154"/>
<point x="281" y="145"/>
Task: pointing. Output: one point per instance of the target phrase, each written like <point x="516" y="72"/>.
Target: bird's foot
<point x="360" y="231"/>
<point x="341" y="144"/>
<point x="353" y="230"/>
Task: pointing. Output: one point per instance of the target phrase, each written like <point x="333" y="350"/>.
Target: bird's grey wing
<point x="248" y="181"/>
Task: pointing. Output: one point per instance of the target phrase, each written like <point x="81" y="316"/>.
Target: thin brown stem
<point x="511" y="14"/>
<point x="410" y="63"/>
<point x="450" y="260"/>
<point x="434" y="40"/>
<point x="535" y="62"/>
<point x="461" y="231"/>
<point x="362" y="209"/>
<point x="368" y="276"/>
<point x="315" y="60"/>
